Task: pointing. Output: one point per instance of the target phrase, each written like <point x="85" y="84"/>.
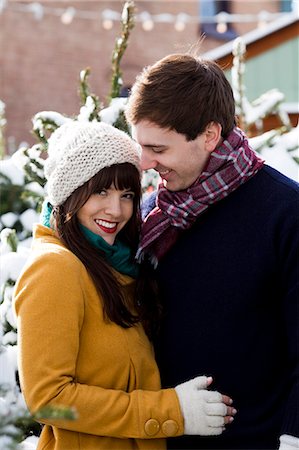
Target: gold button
<point x="170" y="428"/>
<point x="151" y="427"/>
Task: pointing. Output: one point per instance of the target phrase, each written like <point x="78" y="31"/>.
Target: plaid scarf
<point x="231" y="164"/>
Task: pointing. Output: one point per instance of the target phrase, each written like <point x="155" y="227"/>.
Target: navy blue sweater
<point x="231" y="310"/>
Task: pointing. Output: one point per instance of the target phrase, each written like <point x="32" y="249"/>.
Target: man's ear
<point x="213" y="136"/>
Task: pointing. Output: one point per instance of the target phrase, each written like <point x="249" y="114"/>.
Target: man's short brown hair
<point x="183" y="93"/>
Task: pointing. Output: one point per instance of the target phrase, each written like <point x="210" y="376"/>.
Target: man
<point x="222" y="231"/>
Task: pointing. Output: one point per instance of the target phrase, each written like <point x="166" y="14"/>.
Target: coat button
<point x="170" y="428"/>
<point x="151" y="427"/>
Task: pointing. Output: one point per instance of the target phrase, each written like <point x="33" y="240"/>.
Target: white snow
<point x="111" y="113"/>
<point x="7" y="371"/>
<point x="6" y="311"/>
<point x="35" y="187"/>
<point x="87" y="109"/>
<point x="5" y="246"/>
<point x="9" y="219"/>
<point x="29" y="444"/>
<point x="19" y="159"/>
<point x="11" y="265"/>
<point x="34" y="153"/>
<point x="2" y="110"/>
<point x="28" y="218"/>
<point x="278" y="158"/>
<point x="2" y="107"/>
<point x="278" y="150"/>
<point x="9" y="169"/>
<point x="51" y="116"/>
<point x="261" y="107"/>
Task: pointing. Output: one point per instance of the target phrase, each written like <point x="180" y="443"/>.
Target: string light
<point x="147" y="20"/>
<point x="107" y="24"/>
<point x="109" y="17"/>
<point x="68" y="15"/>
<point x="37" y="10"/>
<point x="180" y="23"/>
<point x="221" y="26"/>
<point x="263" y="18"/>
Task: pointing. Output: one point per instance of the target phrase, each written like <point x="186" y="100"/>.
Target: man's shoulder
<point x="279" y="180"/>
<point x="270" y="187"/>
<point x="148" y="203"/>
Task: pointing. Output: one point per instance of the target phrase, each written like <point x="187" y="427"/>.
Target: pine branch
<point x="237" y="72"/>
<point x="9" y="237"/>
<point x="84" y="90"/>
<point x="33" y="168"/>
<point x="40" y="127"/>
<point x="56" y="413"/>
<point x="2" y="125"/>
<point x="127" y="24"/>
<point x="90" y="103"/>
<point x="122" y="124"/>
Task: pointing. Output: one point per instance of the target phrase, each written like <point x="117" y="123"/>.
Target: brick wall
<point x="40" y="60"/>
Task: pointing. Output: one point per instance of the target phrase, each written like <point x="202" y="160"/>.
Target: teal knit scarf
<point x="118" y="255"/>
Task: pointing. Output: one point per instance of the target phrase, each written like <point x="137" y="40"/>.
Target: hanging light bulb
<point x="180" y="23"/>
<point x="108" y="18"/>
<point x="263" y="17"/>
<point x="68" y="15"/>
<point x="37" y="10"/>
<point x="221" y="26"/>
<point x="147" y="21"/>
<point x="107" y="24"/>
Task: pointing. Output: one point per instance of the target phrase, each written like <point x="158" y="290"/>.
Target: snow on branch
<point x="268" y="103"/>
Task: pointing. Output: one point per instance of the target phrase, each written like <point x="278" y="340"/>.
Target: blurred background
<point x="44" y="45"/>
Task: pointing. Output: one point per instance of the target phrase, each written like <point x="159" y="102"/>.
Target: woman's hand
<point x="205" y="412"/>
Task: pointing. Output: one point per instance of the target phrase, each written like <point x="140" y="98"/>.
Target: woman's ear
<point x="213" y="136"/>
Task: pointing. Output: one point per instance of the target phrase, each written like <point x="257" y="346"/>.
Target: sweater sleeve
<point x="49" y="303"/>
<point x="288" y="253"/>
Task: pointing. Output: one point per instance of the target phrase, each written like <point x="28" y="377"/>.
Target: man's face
<point x="178" y="161"/>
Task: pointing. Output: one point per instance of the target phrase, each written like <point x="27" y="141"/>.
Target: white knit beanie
<point x="79" y="150"/>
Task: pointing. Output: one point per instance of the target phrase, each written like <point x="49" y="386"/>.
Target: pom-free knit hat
<point x="79" y="150"/>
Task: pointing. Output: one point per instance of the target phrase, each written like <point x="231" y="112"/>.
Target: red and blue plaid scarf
<point x="231" y="164"/>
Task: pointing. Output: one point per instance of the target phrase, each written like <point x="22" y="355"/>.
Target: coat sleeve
<point x="289" y="270"/>
<point x="49" y="303"/>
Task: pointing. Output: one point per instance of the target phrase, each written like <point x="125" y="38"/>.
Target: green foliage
<point x="127" y="24"/>
<point x="17" y="422"/>
<point x="56" y="413"/>
<point x="11" y="198"/>
<point x="85" y="95"/>
<point x="9" y="238"/>
<point x="122" y="123"/>
<point x="34" y="167"/>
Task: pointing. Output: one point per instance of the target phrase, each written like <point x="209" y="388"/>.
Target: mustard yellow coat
<point x="70" y="356"/>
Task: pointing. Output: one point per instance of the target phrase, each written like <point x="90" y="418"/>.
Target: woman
<point x="81" y="339"/>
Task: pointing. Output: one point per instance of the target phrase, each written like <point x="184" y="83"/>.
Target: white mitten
<point x="288" y="442"/>
<point x="203" y="410"/>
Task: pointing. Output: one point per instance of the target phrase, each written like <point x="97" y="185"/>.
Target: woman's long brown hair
<point x="122" y="176"/>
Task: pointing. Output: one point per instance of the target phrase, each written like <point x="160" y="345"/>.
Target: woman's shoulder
<point x="48" y="249"/>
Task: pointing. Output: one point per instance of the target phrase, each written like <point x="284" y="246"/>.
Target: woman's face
<point x="107" y="212"/>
